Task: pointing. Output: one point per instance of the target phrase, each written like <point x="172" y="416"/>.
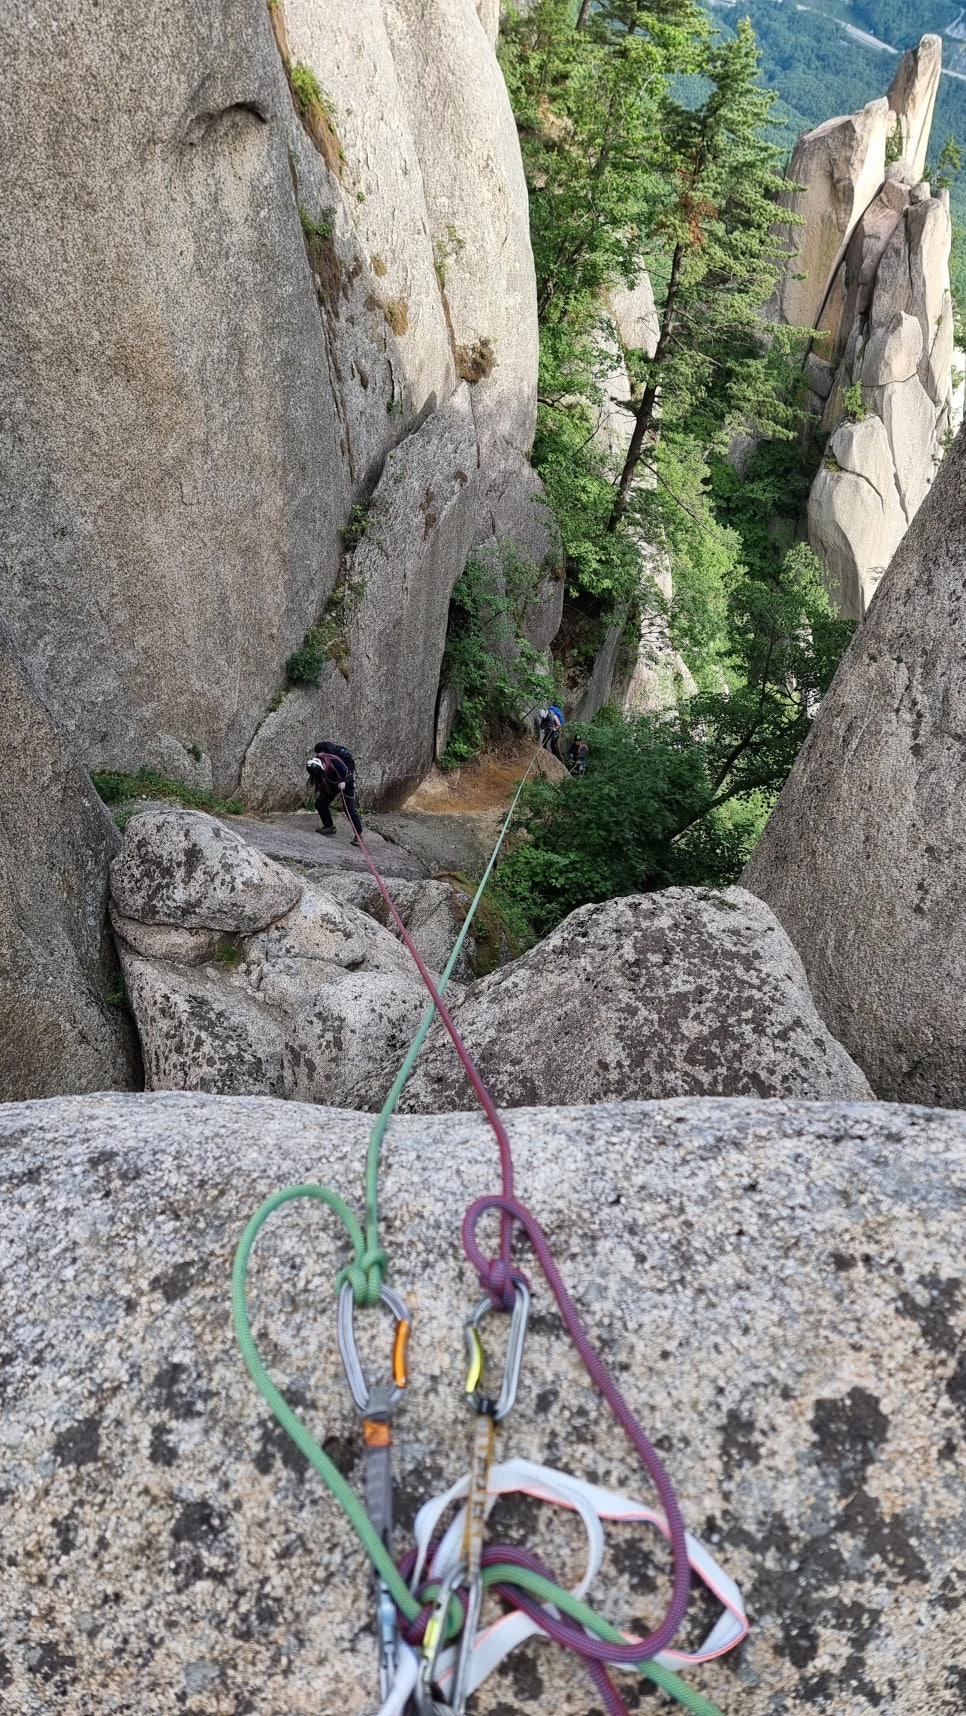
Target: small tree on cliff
<point x="715" y="364"/>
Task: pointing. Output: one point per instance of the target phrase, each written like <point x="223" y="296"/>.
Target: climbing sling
<point x="416" y="1660"/>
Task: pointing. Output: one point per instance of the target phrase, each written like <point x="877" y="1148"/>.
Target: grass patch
<point x="320" y="230"/>
<point x="475" y="362"/>
<point x="316" y="113"/>
<point x="396" y="313"/>
<point x="229" y="953"/>
<point x="119" y="790"/>
<point x="445" y="250"/>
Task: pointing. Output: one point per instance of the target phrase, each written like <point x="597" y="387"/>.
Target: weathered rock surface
<point x="689" y="992"/>
<point x="433" y="913"/>
<point x="840" y="166"/>
<point x="863" y="859"/>
<point x="294" y="839"/>
<point x="246" y="979"/>
<point x="855" y="516"/>
<point x="798" y="1267"/>
<point x="184" y="867"/>
<point x="380" y="699"/>
<point x="58" y="1029"/>
<point x="174" y="491"/>
<point x="206" y="361"/>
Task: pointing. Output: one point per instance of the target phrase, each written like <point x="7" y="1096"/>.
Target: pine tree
<point x="715" y="363"/>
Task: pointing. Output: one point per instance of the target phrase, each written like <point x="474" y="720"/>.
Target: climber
<point x="551" y="721"/>
<point x="331" y="771"/>
<point x="578" y="755"/>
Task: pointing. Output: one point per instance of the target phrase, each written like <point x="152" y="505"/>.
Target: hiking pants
<point x="549" y="740"/>
<point x="325" y="799"/>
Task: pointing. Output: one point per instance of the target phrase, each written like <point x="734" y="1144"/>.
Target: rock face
<point x="872" y="273"/>
<point x="245" y="979"/>
<point x="862" y="859"/>
<point x="896" y="350"/>
<point x="255" y="293"/>
<point x="840" y="166"/>
<point x="420" y="528"/>
<point x="59" y="1030"/>
<point x="813" y="1431"/>
<point x="687" y="992"/>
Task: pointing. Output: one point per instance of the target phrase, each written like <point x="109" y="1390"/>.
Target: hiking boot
<point x="354" y="841"/>
<point x="328" y="832"/>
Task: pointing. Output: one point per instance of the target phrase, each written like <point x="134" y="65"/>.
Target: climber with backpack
<point x="332" y="772"/>
<point x="578" y="755"/>
<point x="551" y="723"/>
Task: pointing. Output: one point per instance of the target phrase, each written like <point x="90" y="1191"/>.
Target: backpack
<point x="343" y="755"/>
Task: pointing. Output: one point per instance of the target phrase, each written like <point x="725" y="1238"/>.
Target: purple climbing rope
<point x="498" y="1278"/>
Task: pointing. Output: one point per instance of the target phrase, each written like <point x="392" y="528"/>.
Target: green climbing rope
<point x="367" y="1291"/>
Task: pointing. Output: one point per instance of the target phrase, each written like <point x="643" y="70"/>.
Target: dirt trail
<point x="484" y="785"/>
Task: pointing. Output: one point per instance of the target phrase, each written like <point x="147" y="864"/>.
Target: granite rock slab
<point x="776" y="1286"/>
<point x="685" y="992"/>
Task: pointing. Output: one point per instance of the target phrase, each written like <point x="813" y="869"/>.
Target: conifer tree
<point x="715" y="362"/>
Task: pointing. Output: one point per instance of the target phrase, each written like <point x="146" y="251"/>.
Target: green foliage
<point x="307" y="88"/>
<point x="488" y="662"/>
<point x="118" y="789"/>
<point x="228" y="952"/>
<point x="357" y="525"/>
<point x="893" y="148"/>
<point x="327" y="642"/>
<point x="947" y="168"/>
<point x="320" y="230"/>
<point x="446" y="248"/>
<point x="679" y="798"/>
<point x="854" y="408"/>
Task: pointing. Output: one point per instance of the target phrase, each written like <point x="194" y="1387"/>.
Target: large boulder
<point x="246" y="979"/>
<point x="864" y="857"/>
<point x="912" y="95"/>
<point x="775" y="1287"/>
<point x="855" y="516"/>
<point x="61" y="1028"/>
<point x="689" y="992"/>
<point x="839" y="167"/>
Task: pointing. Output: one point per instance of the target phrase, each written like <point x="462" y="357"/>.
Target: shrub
<point x="117" y="789"/>
<point x="854" y="409"/>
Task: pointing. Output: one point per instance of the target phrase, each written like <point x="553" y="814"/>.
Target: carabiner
<point x="478" y="1401"/>
<point x="426" y="1704"/>
<point x="358" y="1387"/>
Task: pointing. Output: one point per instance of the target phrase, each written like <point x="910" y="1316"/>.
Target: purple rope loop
<point x="662" y="1635"/>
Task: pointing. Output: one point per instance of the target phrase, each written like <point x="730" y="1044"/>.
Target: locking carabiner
<point x="478" y="1401"/>
<point x="363" y="1396"/>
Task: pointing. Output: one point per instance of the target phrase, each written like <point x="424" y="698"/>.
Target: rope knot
<point x="498" y="1280"/>
<point x="364" y="1276"/>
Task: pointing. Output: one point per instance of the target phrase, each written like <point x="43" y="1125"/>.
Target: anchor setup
<point x="433" y="1652"/>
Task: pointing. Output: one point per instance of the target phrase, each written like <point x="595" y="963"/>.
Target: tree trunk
<point x="645" y="411"/>
<point x="583" y="14"/>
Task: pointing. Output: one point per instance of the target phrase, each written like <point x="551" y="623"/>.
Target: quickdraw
<point x="418" y="1618"/>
